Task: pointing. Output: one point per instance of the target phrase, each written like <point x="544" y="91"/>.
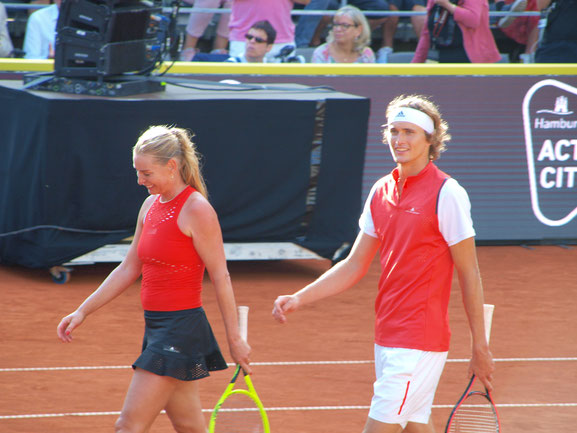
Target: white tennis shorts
<point x="406" y="383"/>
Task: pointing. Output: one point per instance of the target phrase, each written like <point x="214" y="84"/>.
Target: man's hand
<point x="482" y="366"/>
<point x="283" y="305"/>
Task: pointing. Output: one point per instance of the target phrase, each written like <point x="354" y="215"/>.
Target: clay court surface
<point x="302" y="370"/>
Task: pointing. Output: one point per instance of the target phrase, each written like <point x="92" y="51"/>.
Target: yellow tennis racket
<point x="239" y="410"/>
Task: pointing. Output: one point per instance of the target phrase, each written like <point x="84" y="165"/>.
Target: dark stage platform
<point x="283" y="163"/>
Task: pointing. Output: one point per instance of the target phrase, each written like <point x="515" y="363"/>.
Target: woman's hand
<point x="447" y="5"/>
<point x="68" y="324"/>
<point x="240" y="352"/>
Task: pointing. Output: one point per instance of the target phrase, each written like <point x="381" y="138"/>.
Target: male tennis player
<point x="418" y="218"/>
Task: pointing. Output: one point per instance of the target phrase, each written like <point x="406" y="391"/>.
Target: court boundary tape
<point x="279" y="363"/>
<point x="275" y="409"/>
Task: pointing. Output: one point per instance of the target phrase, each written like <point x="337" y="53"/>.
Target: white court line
<point x="117" y="367"/>
<point x="288" y="363"/>
<point x="448" y="360"/>
<point x="277" y="409"/>
<point x="98" y="367"/>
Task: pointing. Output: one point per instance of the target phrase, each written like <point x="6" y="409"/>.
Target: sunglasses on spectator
<point x="258" y="40"/>
<point x="344" y="26"/>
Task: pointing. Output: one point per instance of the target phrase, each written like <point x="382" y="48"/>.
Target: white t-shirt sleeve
<point x="366" y="223"/>
<point x="454" y="213"/>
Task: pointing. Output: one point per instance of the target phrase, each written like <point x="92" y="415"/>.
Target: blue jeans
<point x="307" y="24"/>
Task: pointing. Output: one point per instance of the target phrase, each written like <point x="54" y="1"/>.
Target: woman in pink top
<point x="348" y="40"/>
<point x="472" y="40"/>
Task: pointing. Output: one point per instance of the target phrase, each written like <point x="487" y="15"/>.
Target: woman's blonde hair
<point x="359" y="19"/>
<point x="165" y="143"/>
<point x="439" y="137"/>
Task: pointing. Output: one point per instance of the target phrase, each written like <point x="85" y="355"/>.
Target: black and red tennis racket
<point x="475" y="412"/>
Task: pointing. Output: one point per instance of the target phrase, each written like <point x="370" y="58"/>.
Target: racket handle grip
<point x="488" y="313"/>
<point x="243" y="322"/>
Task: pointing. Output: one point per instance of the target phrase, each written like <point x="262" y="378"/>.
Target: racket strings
<point x="238" y="414"/>
<point x="474" y="415"/>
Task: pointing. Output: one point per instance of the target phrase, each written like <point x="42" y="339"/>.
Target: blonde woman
<point x="348" y="40"/>
<point x="177" y="237"/>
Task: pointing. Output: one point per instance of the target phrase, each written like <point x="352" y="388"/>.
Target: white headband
<point x="408" y="114"/>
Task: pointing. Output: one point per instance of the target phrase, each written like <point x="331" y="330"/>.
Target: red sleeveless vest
<point x="417" y="267"/>
<point x="172" y="270"/>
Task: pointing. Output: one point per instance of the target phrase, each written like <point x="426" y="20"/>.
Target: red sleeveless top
<point x="417" y="266"/>
<point x="172" y="270"/>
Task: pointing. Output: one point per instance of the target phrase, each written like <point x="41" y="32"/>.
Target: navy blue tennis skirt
<point x="179" y="344"/>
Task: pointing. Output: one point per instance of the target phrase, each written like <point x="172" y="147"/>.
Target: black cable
<point x="172" y="34"/>
<point x="60" y="228"/>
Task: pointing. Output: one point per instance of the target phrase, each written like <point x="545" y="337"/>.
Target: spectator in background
<point x="277" y="12"/>
<point x="464" y="36"/>
<point x="507" y="6"/>
<point x="387" y="31"/>
<point x="259" y="41"/>
<point x="559" y="42"/>
<point x="197" y="24"/>
<point x="309" y="32"/>
<point x="308" y="24"/>
<point x="417" y="21"/>
<point x="348" y="40"/>
<point x="523" y="30"/>
<point x="41" y="32"/>
<point x="5" y="41"/>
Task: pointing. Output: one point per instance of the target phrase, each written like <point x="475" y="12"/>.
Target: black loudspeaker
<point x="98" y="39"/>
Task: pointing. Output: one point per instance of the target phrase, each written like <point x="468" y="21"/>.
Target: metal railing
<point x="295" y="12"/>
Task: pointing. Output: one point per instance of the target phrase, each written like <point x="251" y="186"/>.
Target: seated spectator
<point x="309" y="34"/>
<point x="259" y="41"/>
<point x="41" y="32"/>
<point x="384" y="22"/>
<point x="5" y="41"/>
<point x="348" y="40"/>
<point x="523" y="30"/>
<point x="197" y="24"/>
<point x="307" y="25"/>
<point x="17" y="20"/>
<point x="277" y="12"/>
<point x="559" y="41"/>
<point x="457" y="33"/>
<point x="417" y="21"/>
<point x="506" y="6"/>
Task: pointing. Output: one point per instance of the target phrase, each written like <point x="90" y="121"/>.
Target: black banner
<point x="68" y="185"/>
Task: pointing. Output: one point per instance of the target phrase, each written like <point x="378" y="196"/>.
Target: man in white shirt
<point x="41" y="32"/>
